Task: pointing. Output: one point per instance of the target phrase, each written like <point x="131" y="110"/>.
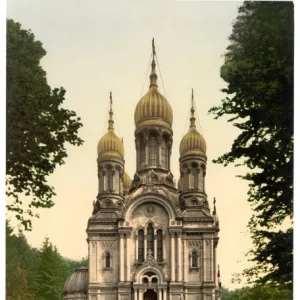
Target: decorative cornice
<point x="198" y="219"/>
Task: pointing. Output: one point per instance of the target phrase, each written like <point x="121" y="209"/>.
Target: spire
<point x="215" y="210"/>
<point x="219" y="277"/>
<point x="110" y="121"/>
<point x="192" y="119"/>
<point x="153" y="76"/>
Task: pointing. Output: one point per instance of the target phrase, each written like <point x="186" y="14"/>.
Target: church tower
<point x="148" y="240"/>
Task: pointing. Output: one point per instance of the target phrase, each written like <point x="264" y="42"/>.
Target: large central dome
<point x="153" y="108"/>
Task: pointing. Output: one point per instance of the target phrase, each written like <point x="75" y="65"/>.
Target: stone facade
<point x="157" y="242"/>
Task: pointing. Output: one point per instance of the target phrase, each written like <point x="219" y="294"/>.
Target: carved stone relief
<point x="193" y="244"/>
<point x="149" y="211"/>
<point x="109" y="245"/>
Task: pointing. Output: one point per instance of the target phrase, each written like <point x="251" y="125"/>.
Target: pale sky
<point x="94" y="47"/>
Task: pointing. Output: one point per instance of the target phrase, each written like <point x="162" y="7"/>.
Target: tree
<point x="35" y="273"/>
<point x="17" y="289"/>
<point x="38" y="127"/>
<point x="52" y="273"/>
<point x="257" y="293"/>
<point x="259" y="100"/>
<point x="20" y="265"/>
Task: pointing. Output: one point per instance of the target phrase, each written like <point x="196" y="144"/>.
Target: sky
<point x="94" y="47"/>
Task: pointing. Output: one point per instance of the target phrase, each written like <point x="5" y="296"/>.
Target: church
<point x="149" y="239"/>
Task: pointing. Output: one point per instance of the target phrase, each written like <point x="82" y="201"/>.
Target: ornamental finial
<point x="192" y="119"/>
<point x="215" y="209"/>
<point x="153" y="48"/>
<point x="153" y="76"/>
<point x="110" y="121"/>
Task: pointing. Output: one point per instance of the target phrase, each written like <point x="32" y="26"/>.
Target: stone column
<point x="104" y="181"/>
<point x="135" y="294"/>
<point x="155" y="247"/>
<point x="164" y="247"/>
<point x="145" y="246"/>
<point x="113" y="180"/>
<point x="146" y="153"/>
<point x="212" y="259"/>
<point x="185" y="260"/>
<point x="169" y="155"/>
<point x="159" y="153"/>
<point x="140" y="294"/>
<point x="136" y="247"/>
<point x="121" y="183"/>
<point x="215" y="265"/>
<point x="97" y="260"/>
<point x="199" y="179"/>
<point x="128" y="243"/>
<point x="100" y="179"/>
<point x="121" y="257"/>
<point x="189" y="178"/>
<point x="179" y="256"/>
<point x="98" y="295"/>
<point x="159" y="294"/>
<point x="138" y="153"/>
<point x="203" y="178"/>
<point x="172" y="256"/>
<point x="165" y="294"/>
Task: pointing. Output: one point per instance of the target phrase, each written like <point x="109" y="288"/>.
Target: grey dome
<point x="77" y="281"/>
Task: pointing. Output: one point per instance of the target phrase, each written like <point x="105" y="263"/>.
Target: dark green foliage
<point x="38" y="127"/>
<point x="264" y="292"/>
<point x="35" y="274"/>
<point x="259" y="71"/>
<point x="52" y="273"/>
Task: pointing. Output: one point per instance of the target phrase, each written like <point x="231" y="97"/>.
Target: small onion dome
<point x="153" y="108"/>
<point x="110" y="144"/>
<point x="126" y="183"/>
<point x="77" y="282"/>
<point x="193" y="142"/>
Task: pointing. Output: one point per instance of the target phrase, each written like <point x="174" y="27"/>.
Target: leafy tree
<point x="259" y="100"/>
<point x="38" y="127"/>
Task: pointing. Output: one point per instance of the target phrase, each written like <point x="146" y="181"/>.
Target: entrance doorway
<point x="150" y="295"/>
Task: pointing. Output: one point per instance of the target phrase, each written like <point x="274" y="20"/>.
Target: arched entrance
<point x="150" y="295"/>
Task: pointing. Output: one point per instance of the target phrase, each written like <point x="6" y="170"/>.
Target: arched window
<point x="194" y="259"/>
<point x="101" y="179"/>
<point x="145" y="280"/>
<point x="107" y="260"/>
<point x="185" y="180"/>
<point x="117" y="181"/>
<point x="159" y="245"/>
<point x="109" y="179"/>
<point x="140" y="246"/>
<point x="164" y="154"/>
<point x="154" y="280"/>
<point x="194" y="182"/>
<point x="152" y="150"/>
<point x="150" y="238"/>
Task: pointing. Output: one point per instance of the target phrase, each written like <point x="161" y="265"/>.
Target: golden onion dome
<point x="153" y="108"/>
<point x="110" y="145"/>
<point x="193" y="142"/>
<point x="126" y="182"/>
